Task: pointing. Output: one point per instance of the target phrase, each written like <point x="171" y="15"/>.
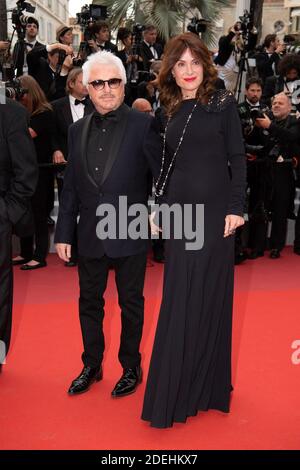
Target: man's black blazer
<point x="18" y="55"/>
<point x="136" y="148"/>
<point x="18" y="164"/>
<point x="63" y="120"/>
<point x="264" y="64"/>
<point x="146" y="53"/>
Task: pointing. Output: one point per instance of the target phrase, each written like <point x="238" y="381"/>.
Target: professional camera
<point x="14" y="90"/>
<point x="88" y="16"/>
<point x="197" y="25"/>
<point x="258" y="113"/>
<point x="137" y="33"/>
<point x="246" y="22"/>
<point x="18" y="19"/>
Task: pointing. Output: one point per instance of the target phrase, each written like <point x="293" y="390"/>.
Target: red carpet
<point x="37" y="413"/>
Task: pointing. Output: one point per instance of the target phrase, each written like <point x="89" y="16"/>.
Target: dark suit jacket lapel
<point x="118" y="136"/>
<point x="84" y="143"/>
<point x="66" y="109"/>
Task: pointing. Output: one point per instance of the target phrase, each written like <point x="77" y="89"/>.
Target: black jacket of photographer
<point x="255" y="140"/>
<point x="52" y="84"/>
<point x="19" y="55"/>
<point x="284" y="139"/>
<point x="226" y="47"/>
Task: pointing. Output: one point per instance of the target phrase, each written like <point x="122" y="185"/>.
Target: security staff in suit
<point x="110" y="153"/>
<point x="18" y="179"/>
<point x="68" y="110"/>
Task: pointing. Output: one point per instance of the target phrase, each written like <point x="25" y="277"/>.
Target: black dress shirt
<point x="102" y="131"/>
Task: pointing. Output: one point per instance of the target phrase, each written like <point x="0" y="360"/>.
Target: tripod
<point x="243" y="67"/>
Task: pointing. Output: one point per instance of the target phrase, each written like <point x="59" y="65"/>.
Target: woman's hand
<point x="232" y="222"/>
<point x="154" y="228"/>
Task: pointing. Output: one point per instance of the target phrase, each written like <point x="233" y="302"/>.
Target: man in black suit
<point x="22" y="48"/>
<point x="150" y="50"/>
<point x="267" y="60"/>
<point x="68" y="110"/>
<point x="110" y="153"/>
<point x="18" y="178"/>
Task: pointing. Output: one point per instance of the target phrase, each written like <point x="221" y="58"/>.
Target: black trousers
<point x="6" y="287"/>
<point x="40" y="208"/>
<point x="74" y="249"/>
<point x="283" y="185"/>
<point x="297" y="230"/>
<point x="260" y="184"/>
<point x="129" y="276"/>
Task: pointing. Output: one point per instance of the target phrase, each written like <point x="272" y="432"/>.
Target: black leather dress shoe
<point x="28" y="267"/>
<point x="275" y="253"/>
<point x="87" y="377"/>
<point x="297" y="251"/>
<point x="128" y="383"/>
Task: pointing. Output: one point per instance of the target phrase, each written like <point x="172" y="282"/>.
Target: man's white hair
<point x="102" y="58"/>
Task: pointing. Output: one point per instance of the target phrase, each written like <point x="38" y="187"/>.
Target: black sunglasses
<point x="100" y="84"/>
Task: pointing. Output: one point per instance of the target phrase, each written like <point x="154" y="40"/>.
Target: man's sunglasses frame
<point x="113" y="83"/>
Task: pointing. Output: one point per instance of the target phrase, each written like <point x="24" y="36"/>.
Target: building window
<point x="56" y="8"/>
<point x="49" y="3"/>
<point x="41" y="28"/>
<point x="49" y="33"/>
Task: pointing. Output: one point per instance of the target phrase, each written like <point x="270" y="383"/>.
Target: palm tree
<point x="169" y="16"/>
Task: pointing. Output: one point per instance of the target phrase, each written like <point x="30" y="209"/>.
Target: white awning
<point x="295" y="12"/>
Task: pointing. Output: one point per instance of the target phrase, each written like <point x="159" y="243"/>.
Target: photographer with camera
<point x="258" y="174"/>
<point x="267" y="60"/>
<point x="46" y="65"/>
<point x="230" y="47"/>
<point x="132" y="62"/>
<point x="284" y="150"/>
<point x="100" y="37"/>
<point x="287" y="81"/>
<point x="23" y="47"/>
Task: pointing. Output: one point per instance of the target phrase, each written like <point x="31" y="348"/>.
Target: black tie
<point x="99" y="118"/>
<point x="27" y="44"/>
<point x="84" y="101"/>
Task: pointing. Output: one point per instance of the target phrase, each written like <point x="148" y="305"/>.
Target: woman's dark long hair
<point x="170" y="93"/>
<point x="37" y="101"/>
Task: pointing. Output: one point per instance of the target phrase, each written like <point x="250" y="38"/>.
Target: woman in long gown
<point x="190" y="367"/>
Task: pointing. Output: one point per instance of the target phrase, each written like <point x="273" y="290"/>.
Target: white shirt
<point x="76" y="110"/>
<point x="153" y="50"/>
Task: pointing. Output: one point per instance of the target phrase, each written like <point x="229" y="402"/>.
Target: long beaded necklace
<point x="160" y="192"/>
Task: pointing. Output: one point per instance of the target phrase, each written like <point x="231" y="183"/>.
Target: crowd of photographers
<point x="50" y="87"/>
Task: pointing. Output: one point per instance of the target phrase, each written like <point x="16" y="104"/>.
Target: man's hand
<point x="263" y="122"/>
<point x="232" y="222"/>
<point x="63" y="47"/>
<point x="64" y="251"/>
<point x="58" y="157"/>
